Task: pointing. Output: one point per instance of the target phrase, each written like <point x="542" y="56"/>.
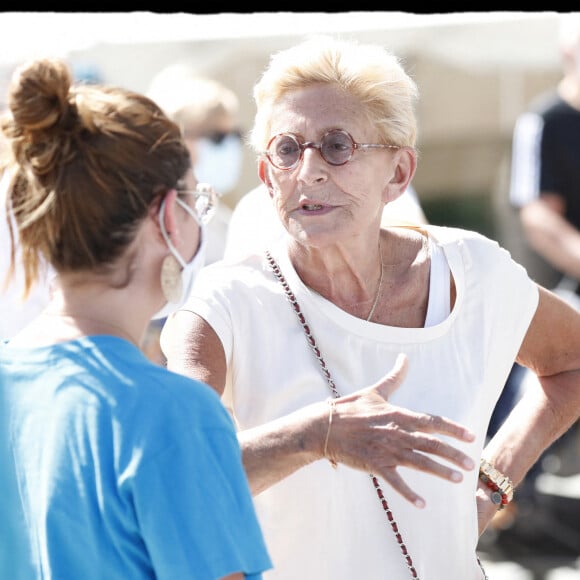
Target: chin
<point x="315" y="237"/>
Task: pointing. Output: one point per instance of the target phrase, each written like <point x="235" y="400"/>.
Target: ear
<point x="169" y="214"/>
<point x="264" y="177"/>
<point x="405" y="165"/>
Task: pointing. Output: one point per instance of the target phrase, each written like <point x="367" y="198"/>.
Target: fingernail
<point x="468" y="463"/>
<point x="470" y="436"/>
<point x="456" y="476"/>
<point x="420" y="503"/>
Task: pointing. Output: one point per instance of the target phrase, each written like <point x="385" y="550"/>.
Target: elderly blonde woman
<point x="391" y="480"/>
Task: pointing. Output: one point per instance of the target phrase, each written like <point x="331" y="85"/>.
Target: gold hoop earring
<point x="171" y="282"/>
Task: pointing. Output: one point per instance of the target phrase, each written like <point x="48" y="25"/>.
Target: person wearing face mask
<point x="123" y="468"/>
<point x="208" y="114"/>
<point x="177" y="276"/>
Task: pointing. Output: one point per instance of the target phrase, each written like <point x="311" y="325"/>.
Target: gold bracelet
<point x="501" y="486"/>
<point x="331" y="406"/>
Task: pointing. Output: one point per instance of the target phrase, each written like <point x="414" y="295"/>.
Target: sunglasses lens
<point x="217" y="137"/>
<point x="284" y="151"/>
<point x="337" y="147"/>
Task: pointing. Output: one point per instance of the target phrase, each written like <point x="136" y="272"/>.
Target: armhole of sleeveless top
<point x="439" y="306"/>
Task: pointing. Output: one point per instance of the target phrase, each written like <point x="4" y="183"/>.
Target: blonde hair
<point x="87" y="162"/>
<point x="368" y="72"/>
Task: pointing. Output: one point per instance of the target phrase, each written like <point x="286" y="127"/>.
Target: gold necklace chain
<point x="377" y="295"/>
<point x="378" y="289"/>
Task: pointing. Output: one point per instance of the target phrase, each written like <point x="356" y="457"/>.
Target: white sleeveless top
<point x="326" y="524"/>
<point x="439" y="287"/>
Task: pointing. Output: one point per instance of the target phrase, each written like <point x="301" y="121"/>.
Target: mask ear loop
<point x="164" y="233"/>
<point x="193" y="214"/>
<point x="188" y="209"/>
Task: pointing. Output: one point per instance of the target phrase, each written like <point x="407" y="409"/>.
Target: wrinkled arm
<point x="551" y="349"/>
<point x="270" y="452"/>
<point x="367" y="432"/>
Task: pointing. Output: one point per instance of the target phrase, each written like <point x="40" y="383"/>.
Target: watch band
<point x="501" y="486"/>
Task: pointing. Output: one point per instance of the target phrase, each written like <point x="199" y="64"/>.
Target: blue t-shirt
<point x="125" y="469"/>
<point x="15" y="560"/>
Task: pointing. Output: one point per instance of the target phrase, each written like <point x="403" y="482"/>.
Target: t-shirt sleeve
<point x="509" y="297"/>
<point x="209" y="301"/>
<point x="526" y="159"/>
<point x="194" y="504"/>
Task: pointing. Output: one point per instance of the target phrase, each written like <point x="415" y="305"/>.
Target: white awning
<point x="473" y="39"/>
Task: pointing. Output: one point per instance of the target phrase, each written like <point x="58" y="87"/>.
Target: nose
<point x="312" y="168"/>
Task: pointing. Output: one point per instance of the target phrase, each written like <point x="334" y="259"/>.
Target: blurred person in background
<point x="124" y="469"/>
<point x="545" y="190"/>
<point x="545" y="178"/>
<point x="208" y="114"/>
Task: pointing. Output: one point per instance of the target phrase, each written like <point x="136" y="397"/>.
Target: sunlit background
<point x="476" y="72"/>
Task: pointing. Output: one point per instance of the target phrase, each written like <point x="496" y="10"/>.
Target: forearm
<point x="553" y="237"/>
<point x="275" y="450"/>
<point x="543" y="414"/>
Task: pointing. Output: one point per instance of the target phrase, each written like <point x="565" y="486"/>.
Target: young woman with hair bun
<point x="123" y="468"/>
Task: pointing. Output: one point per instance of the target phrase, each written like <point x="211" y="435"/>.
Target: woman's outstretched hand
<point x="370" y="434"/>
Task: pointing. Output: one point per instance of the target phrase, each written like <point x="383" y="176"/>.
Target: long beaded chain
<point x="292" y="299"/>
<point x="310" y="339"/>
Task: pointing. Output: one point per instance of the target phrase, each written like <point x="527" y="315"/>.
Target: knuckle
<point x="432" y="445"/>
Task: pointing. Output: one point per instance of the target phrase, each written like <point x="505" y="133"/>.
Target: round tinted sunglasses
<point x="336" y="147"/>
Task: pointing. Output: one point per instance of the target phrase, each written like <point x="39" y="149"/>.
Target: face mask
<point x="219" y="163"/>
<point x="189" y="270"/>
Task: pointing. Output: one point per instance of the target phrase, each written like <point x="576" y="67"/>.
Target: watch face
<point x="496" y="497"/>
